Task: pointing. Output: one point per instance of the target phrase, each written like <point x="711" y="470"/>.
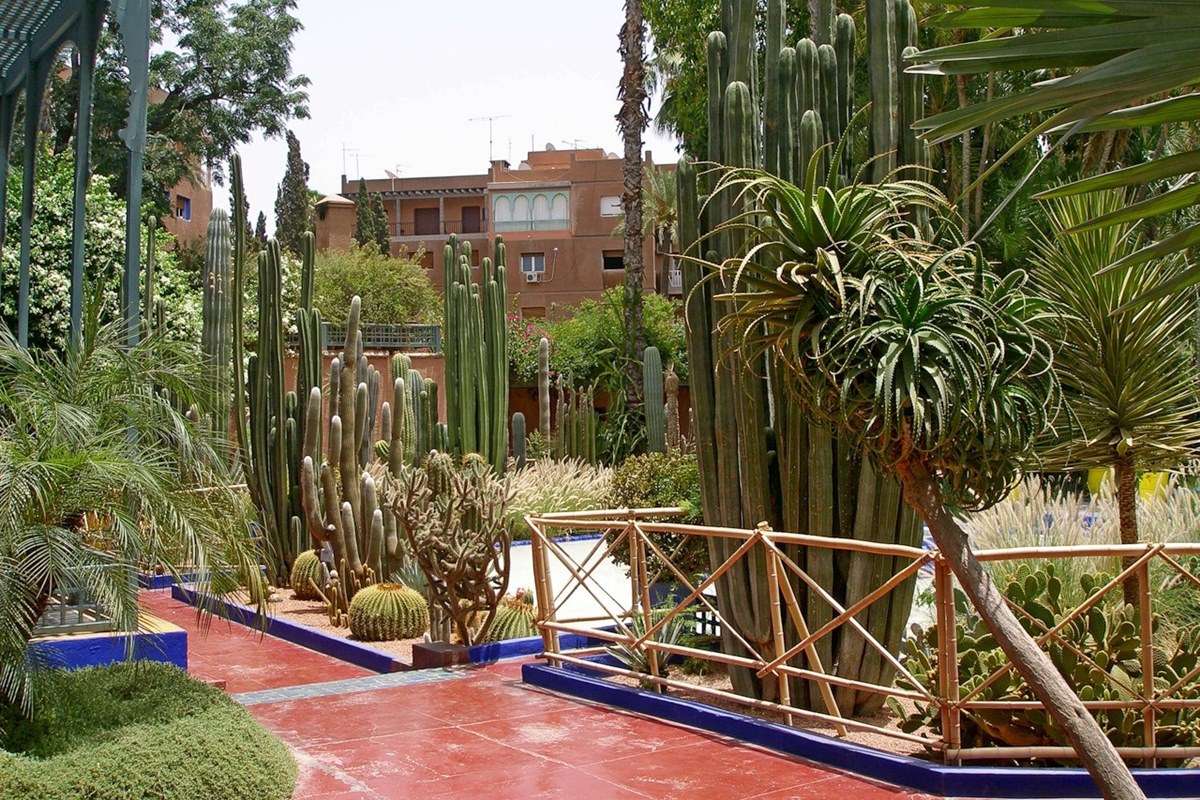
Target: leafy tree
<point x="293" y="208"/>
<point x="104" y="257"/>
<point x="1128" y="374"/>
<point x="393" y="290"/>
<point x="366" y="218"/>
<point x="99" y="467"/>
<point x="225" y="75"/>
<point x="260" y="229"/>
<point x="1144" y="75"/>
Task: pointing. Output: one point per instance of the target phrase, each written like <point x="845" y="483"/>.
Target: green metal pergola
<point x="31" y="34"/>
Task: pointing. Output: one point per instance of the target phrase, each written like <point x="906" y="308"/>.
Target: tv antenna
<point x="574" y="143"/>
<point x="491" y="121"/>
<point x="356" y="154"/>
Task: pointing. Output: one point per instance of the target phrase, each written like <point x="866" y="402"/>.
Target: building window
<point x="533" y="263"/>
<point x="532" y="212"/>
<point x="183" y="208"/>
<point x="611" y="206"/>
<point x="614" y="259"/>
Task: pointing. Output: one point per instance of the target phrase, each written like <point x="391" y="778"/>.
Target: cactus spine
<point x="759" y="462"/>
<point x="476" y="353"/>
<point x="652" y="380"/>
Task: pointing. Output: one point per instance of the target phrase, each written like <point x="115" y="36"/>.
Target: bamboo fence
<point x="640" y="533"/>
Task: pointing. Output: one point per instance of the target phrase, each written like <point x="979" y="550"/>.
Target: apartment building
<point x="558" y="211"/>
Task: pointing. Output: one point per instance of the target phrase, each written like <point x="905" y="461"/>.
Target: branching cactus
<point x="772" y="466"/>
<point x="454" y="519"/>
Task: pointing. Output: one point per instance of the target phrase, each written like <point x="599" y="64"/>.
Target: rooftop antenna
<point x="491" y="121"/>
<point x="574" y="143"/>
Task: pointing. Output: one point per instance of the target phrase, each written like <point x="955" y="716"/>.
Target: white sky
<point x="398" y="80"/>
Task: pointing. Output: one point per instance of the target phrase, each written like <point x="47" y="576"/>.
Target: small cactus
<point x="309" y="576"/>
<point x="388" y="611"/>
<point x="514" y="619"/>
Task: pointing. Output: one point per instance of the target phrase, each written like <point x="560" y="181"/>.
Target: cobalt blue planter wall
<point x="100" y="649"/>
<point x="914" y="773"/>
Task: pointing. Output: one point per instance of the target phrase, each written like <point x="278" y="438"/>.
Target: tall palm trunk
<point x="632" y="119"/>
<point x="1095" y="751"/>
<point x="1127" y="517"/>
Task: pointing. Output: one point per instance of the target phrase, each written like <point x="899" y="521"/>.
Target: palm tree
<point x="913" y="351"/>
<point x="1114" y="66"/>
<point x="101" y="473"/>
<point x="660" y="218"/>
<point x="1128" y="377"/>
<point x="632" y="119"/>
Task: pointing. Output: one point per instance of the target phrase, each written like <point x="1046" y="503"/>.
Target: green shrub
<point x="394" y="291"/>
<point x="523" y="338"/>
<point x="140" y="730"/>
<point x="1103" y="662"/>
<point x="662" y="480"/>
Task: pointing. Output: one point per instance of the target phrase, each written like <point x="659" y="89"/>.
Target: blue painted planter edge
<point x="353" y="652"/>
<point x="913" y="773"/>
<point x="150" y="580"/>
<point x="333" y="646"/>
<point x="98" y="650"/>
<point x="582" y="537"/>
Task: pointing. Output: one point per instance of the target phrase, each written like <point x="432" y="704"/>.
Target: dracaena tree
<point x="899" y="337"/>
<point x="1094" y="68"/>
<point x="1128" y="371"/>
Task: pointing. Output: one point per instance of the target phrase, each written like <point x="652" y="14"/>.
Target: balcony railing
<point x="442" y="228"/>
<point x="532" y="225"/>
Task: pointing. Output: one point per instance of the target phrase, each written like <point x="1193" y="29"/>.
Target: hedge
<point x="139" y="730"/>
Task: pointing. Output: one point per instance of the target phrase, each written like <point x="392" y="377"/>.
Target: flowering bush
<point x="104" y="256"/>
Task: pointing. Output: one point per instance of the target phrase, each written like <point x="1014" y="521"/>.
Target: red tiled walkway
<point x="483" y="734"/>
<point x="242" y="657"/>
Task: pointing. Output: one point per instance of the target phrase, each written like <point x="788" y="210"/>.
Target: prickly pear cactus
<point x="388" y="611"/>
<point x="1100" y="656"/>
<point x="308" y="575"/>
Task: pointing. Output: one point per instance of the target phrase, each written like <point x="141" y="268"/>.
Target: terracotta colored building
<point x="558" y="211"/>
<point x="190" y="206"/>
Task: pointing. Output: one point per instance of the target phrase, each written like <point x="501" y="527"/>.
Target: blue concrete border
<point x="151" y="580"/>
<point x="334" y="646"/>
<point x="101" y="649"/>
<point x="913" y="773"/>
<point x="357" y="653"/>
<point x="566" y="537"/>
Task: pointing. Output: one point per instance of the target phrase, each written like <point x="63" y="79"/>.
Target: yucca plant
<point x="909" y="348"/>
<point x="101" y="472"/>
<point x="1128" y="374"/>
<point x="1109" y="66"/>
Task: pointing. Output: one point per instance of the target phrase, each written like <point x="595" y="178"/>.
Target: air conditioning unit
<point x="533" y="277"/>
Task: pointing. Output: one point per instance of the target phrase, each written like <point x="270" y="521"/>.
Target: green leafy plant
<point x="394" y="291"/>
<point x="99" y="472"/>
<point x="140" y="730"/>
<point x="1099" y="655"/>
<point x="663" y="480"/>
<point x="637" y="659"/>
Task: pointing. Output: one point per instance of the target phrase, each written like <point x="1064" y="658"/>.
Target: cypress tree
<point x="292" y="203"/>
<point x="260" y="228"/>
<point x="382" y="234"/>
<point x="364" y="217"/>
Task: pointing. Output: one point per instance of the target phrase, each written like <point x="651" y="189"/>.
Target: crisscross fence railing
<point x="789" y="652"/>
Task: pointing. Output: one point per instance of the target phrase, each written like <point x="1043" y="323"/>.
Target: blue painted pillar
<point x="85" y="41"/>
<point x="133" y="18"/>
<point x="34" y="83"/>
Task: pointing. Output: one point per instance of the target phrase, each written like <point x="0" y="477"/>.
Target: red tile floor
<point x="481" y="734"/>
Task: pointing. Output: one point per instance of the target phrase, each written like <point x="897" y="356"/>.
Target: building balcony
<point x="410" y="231"/>
<point x="517" y="225"/>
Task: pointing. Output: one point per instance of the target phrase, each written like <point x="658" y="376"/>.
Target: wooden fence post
<point x="947" y="628"/>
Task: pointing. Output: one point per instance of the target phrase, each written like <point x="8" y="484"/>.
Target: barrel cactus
<point x="309" y="576"/>
<point x="388" y="611"/>
<point x="514" y="619"/>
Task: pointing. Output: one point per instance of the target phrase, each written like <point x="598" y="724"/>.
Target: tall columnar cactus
<point x="771" y="465"/>
<point x="518" y="439"/>
<point x="576" y="425"/>
<point x="217" y="311"/>
<point x="671" y="387"/>
<point x="476" y="354"/>
<point x="544" y="388"/>
<point x="652" y="380"/>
